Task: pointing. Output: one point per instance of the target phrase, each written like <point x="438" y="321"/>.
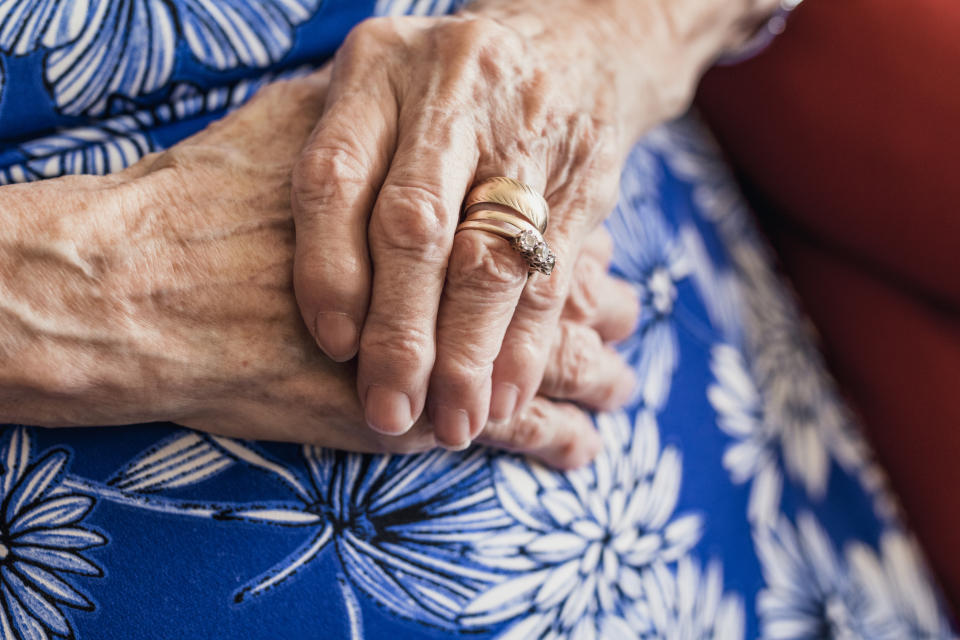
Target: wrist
<point x="68" y="351"/>
<point x="637" y="62"/>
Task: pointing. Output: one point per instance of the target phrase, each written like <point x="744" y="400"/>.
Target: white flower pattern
<point x="128" y="47"/>
<point x="401" y="525"/>
<point x="686" y="605"/>
<point x="798" y="415"/>
<point x="902" y="602"/>
<point x="119" y="141"/>
<point x="651" y="257"/>
<point x="583" y="542"/>
<point x="40" y="540"/>
<point x="740" y="414"/>
<point x="812" y="592"/>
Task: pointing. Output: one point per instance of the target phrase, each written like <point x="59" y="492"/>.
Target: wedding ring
<point x="525" y="238"/>
<point x="512" y="194"/>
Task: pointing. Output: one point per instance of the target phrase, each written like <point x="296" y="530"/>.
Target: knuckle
<point x="370" y="32"/>
<point x="530" y="344"/>
<point x="591" y="178"/>
<point x="481" y="36"/>
<point x="333" y="163"/>
<point x="398" y="348"/>
<point x="411" y="219"/>
<point x="480" y="264"/>
<point x="545" y="295"/>
<point x="464" y="373"/>
<point x="482" y="50"/>
<point x="583" y="301"/>
<point x="578" y="346"/>
<point x="530" y="432"/>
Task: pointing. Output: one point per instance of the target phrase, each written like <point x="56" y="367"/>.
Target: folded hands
<point x="166" y="292"/>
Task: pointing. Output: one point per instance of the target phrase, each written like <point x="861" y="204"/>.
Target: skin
<point x="165" y="293"/>
<point x="551" y="93"/>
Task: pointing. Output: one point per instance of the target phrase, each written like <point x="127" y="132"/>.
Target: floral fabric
<point x="734" y="498"/>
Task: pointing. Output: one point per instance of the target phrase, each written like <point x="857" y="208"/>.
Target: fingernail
<point x="581" y="455"/>
<point x="504" y="401"/>
<point x="623" y="391"/>
<point x="387" y="411"/>
<point x="591" y="450"/>
<point x="451" y="428"/>
<point x="337" y="335"/>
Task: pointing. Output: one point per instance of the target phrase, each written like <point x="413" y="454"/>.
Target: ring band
<point x="513" y="194"/>
<point x="522" y="235"/>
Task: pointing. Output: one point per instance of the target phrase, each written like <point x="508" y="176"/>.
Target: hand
<point x="550" y="93"/>
<point x="165" y="293"/>
<point x="418" y="110"/>
<point x="580" y="369"/>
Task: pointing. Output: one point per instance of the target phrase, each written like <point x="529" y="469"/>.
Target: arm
<point x="637" y="62"/>
<point x="69" y="353"/>
<point x="164" y="293"/>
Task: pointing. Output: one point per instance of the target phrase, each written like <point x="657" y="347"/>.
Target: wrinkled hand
<point x="418" y="111"/>
<point x="180" y="305"/>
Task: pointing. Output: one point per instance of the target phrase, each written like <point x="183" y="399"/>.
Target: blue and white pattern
<point x="734" y="498"/>
<point x="813" y="592"/>
<point x="41" y="540"/>
<point x="396" y="522"/>
<point x="117" y="142"/>
<point x="582" y="546"/>
<point x="98" y="49"/>
<point x="651" y="256"/>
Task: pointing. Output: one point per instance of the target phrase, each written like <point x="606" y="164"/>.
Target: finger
<point x="598" y="246"/>
<point x="335" y="184"/>
<point x="581" y="369"/>
<point x="601" y="301"/>
<point x="559" y="434"/>
<point x="410" y="235"/>
<point x="577" y="204"/>
<point x="484" y="281"/>
<point x="519" y="367"/>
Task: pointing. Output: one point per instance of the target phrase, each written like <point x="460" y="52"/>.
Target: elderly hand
<point x="165" y="293"/>
<point x="552" y="94"/>
<point x="418" y="110"/>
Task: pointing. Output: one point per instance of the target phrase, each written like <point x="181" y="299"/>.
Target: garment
<point x="734" y="497"/>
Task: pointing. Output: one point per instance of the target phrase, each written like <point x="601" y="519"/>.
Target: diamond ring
<point x="514" y="211"/>
<point x="523" y="236"/>
<point x="511" y="194"/>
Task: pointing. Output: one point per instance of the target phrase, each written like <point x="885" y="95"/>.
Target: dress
<point x="735" y="497"/>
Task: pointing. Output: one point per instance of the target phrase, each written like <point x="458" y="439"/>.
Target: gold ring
<point x="513" y="194"/>
<point x="525" y="238"/>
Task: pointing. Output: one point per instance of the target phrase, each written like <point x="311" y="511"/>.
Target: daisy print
<point x="42" y="542"/>
<point x="583" y="543"/>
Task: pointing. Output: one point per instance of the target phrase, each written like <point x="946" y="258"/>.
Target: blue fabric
<point x="735" y="497"/>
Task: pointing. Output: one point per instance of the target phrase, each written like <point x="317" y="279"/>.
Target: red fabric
<point x="848" y="132"/>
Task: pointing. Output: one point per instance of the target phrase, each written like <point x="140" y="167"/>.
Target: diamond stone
<point x="527" y="240"/>
<point x="542" y="252"/>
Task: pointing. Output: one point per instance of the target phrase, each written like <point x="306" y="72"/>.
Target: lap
<point x="734" y="495"/>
